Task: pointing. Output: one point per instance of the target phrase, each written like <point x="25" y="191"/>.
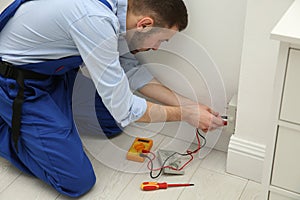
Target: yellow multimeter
<point x="137" y="147"/>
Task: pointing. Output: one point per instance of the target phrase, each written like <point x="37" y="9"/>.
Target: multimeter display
<point x="143" y="140"/>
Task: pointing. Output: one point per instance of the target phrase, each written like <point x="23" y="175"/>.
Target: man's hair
<point x="166" y="13"/>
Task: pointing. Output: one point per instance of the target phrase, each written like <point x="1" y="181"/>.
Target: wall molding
<point x="245" y="159"/>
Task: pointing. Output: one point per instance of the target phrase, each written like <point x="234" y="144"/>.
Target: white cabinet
<point x="286" y="166"/>
<point x="283" y="161"/>
<point x="290" y="109"/>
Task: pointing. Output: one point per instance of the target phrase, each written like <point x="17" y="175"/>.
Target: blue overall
<point x="49" y="146"/>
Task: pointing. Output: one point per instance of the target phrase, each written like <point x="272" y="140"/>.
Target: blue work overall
<point x="37" y="130"/>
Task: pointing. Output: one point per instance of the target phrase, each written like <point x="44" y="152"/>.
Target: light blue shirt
<point x="51" y="29"/>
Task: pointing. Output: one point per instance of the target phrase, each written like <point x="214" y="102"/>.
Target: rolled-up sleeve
<point x="97" y="41"/>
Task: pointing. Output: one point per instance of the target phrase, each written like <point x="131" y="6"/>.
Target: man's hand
<point x="202" y="117"/>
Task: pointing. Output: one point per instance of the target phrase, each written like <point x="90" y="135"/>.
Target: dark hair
<point x="166" y="13"/>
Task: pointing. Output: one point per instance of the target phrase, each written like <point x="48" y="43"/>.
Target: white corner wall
<point x="219" y="27"/>
<point x="246" y="151"/>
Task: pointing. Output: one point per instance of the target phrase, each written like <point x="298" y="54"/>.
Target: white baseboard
<point x="245" y="159"/>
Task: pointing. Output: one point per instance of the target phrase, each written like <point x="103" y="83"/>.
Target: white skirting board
<point x="245" y="159"/>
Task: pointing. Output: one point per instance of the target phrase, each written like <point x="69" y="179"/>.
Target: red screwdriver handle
<point x="149" y="186"/>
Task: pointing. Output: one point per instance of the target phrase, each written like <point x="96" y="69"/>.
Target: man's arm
<point x="155" y="90"/>
<point x="177" y="108"/>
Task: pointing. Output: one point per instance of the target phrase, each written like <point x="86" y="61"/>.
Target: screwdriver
<point x="149" y="186"/>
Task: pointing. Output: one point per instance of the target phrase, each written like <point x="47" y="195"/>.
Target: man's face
<point x="151" y="40"/>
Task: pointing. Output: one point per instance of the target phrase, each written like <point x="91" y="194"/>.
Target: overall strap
<point x="106" y="3"/>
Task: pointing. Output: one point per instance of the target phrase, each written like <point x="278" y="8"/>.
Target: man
<point x="41" y="46"/>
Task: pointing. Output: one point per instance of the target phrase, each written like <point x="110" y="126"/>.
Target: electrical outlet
<point x="231" y="112"/>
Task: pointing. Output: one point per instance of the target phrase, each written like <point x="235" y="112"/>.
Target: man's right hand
<point x="202" y="117"/>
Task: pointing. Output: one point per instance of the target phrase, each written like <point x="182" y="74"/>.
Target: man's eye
<point x="164" y="41"/>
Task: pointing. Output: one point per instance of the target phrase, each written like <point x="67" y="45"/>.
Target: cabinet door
<point x="290" y="109"/>
<point x="286" y="168"/>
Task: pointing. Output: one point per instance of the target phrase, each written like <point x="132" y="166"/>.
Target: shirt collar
<point x="120" y="9"/>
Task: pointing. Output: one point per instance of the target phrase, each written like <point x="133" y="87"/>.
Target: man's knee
<point x="76" y="185"/>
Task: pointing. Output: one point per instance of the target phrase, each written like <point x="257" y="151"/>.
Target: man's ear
<point x="145" y="24"/>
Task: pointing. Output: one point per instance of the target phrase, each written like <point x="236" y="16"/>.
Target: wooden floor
<point x="118" y="178"/>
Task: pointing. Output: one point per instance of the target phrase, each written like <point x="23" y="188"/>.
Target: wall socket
<point x="231" y="112"/>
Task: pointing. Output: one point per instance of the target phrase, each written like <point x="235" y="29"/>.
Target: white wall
<point x="218" y="27"/>
<point x="259" y="58"/>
